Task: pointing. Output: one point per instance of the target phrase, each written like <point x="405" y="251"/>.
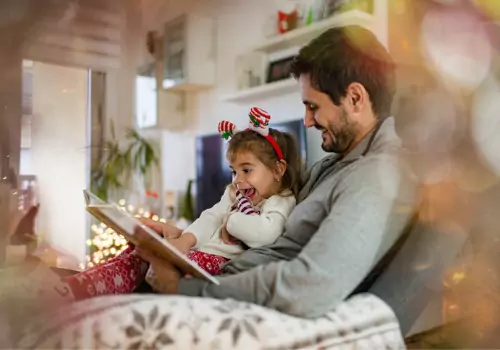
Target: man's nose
<point x="309" y="121"/>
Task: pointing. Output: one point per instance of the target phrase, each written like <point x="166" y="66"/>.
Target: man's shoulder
<point x="387" y="172"/>
<point x="386" y="161"/>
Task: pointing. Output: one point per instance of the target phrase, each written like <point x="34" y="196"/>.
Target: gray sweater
<point x="350" y="212"/>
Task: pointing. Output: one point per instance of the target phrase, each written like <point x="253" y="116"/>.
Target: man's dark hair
<point x="345" y="55"/>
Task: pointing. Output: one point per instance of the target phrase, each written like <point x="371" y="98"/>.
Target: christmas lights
<point x="106" y="243"/>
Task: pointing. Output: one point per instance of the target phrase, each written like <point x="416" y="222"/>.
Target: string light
<point x="106" y="242"/>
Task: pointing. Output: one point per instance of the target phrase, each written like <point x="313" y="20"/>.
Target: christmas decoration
<point x="106" y="243"/>
<point x="227" y="129"/>
<point x="258" y="122"/>
<point x="287" y="21"/>
<point x="259" y="118"/>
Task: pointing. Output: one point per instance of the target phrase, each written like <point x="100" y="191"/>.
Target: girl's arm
<point x="257" y="230"/>
<point x="209" y="221"/>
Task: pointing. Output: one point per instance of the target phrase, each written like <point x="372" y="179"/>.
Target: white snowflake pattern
<point x="118" y="280"/>
<point x="81" y="277"/>
<point x="100" y="287"/>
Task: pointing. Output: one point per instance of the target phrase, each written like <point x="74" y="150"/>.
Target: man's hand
<point x="225" y="236"/>
<point x="167" y="276"/>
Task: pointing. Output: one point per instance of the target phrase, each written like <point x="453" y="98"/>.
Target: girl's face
<point x="253" y="179"/>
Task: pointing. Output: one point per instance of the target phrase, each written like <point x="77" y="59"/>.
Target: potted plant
<point x="136" y="157"/>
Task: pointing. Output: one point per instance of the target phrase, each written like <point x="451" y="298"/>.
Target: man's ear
<point x="356" y="97"/>
<point x="280" y="169"/>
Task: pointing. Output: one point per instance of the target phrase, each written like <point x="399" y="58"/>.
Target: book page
<point x="139" y="234"/>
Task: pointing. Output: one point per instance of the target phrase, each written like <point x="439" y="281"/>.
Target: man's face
<point x="339" y="130"/>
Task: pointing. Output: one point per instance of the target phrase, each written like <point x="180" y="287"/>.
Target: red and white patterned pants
<point x="209" y="262"/>
<point x="123" y="273"/>
<point x="119" y="275"/>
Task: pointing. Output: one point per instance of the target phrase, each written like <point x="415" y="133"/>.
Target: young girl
<point x="251" y="213"/>
<point x="255" y="206"/>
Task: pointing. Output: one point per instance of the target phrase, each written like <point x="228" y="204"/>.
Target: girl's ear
<point x="280" y="169"/>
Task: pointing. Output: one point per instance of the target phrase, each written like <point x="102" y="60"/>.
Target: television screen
<point x="212" y="169"/>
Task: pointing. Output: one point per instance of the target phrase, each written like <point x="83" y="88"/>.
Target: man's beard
<point x="342" y="135"/>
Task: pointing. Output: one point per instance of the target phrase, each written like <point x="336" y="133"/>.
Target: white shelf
<point x="301" y="36"/>
<point x="187" y="87"/>
<point x="264" y="91"/>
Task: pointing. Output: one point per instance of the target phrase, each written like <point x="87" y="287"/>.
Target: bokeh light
<point x="486" y="123"/>
<point x="457" y="46"/>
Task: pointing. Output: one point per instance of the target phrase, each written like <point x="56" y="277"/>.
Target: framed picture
<point x="279" y="70"/>
<point x="251" y="70"/>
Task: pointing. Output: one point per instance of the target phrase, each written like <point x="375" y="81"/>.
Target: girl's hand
<point x="184" y="243"/>
<point x="163" y="229"/>
<point x="225" y="236"/>
<point x="232" y="192"/>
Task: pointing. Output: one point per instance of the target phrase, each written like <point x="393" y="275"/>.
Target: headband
<point x="259" y="119"/>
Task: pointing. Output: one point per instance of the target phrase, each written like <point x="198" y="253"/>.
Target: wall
<point x="10" y="127"/>
<point x="58" y="156"/>
<point x="240" y="24"/>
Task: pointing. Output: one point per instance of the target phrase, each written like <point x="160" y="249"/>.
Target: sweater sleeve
<point x="364" y="220"/>
<point x="210" y="220"/>
<point x="262" y="229"/>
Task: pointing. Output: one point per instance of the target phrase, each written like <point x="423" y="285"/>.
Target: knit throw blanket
<point x="176" y="322"/>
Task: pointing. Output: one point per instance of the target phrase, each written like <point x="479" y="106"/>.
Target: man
<point x="351" y="209"/>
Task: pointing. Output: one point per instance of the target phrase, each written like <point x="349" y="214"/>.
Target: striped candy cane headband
<point x="259" y="119"/>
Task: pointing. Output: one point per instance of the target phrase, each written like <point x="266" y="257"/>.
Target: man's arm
<point x="366" y="218"/>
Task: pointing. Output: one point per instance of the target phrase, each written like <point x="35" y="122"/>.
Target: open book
<point x="137" y="233"/>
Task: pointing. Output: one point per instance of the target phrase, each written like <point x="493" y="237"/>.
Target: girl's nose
<point x="238" y="179"/>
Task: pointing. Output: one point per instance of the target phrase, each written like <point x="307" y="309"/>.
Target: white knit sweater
<point x="253" y="230"/>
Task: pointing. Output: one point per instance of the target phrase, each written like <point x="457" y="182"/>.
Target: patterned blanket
<point x="165" y="322"/>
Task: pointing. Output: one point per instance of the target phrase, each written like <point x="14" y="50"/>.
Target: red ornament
<point x="287" y="21"/>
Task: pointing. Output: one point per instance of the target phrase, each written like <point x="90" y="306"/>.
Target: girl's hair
<point x="250" y="141"/>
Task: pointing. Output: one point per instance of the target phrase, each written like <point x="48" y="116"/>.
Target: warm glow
<point x="458" y="276"/>
<point x="107" y="242"/>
